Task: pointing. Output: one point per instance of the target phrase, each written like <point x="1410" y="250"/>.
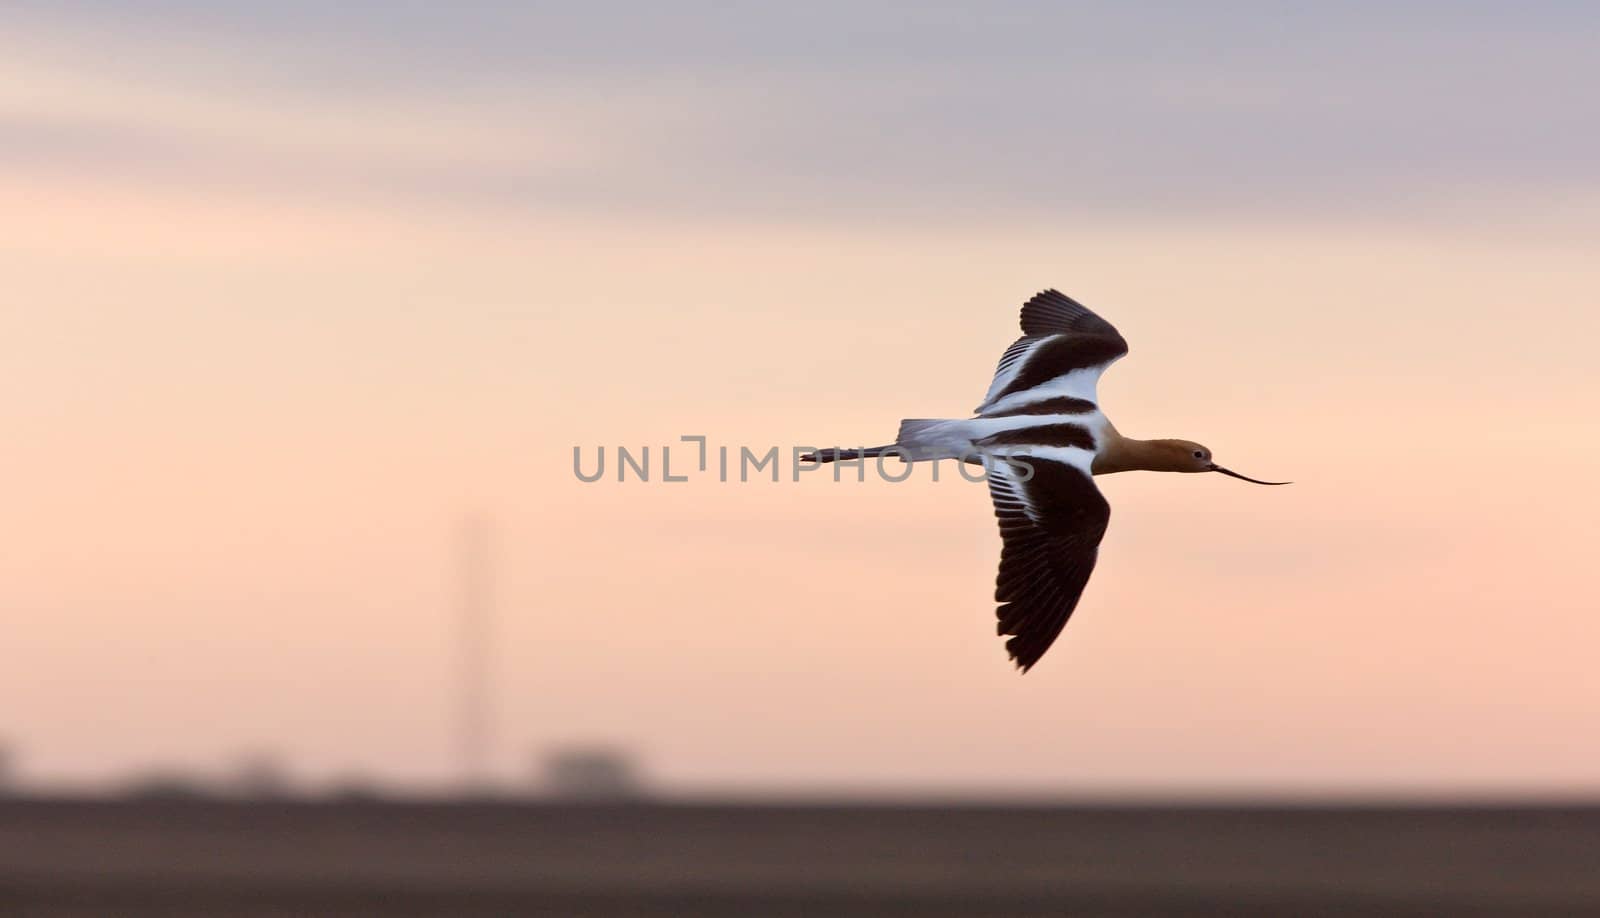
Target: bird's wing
<point x="1050" y="527"/>
<point x="1062" y="352"/>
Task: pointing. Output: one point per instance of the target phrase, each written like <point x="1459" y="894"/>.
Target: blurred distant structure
<point x="355" y="788"/>
<point x="590" y="776"/>
<point x="260" y="776"/>
<point x="168" y="785"/>
<point x="8" y="776"/>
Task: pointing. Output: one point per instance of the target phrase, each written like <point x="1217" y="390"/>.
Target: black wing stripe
<point x="1042" y="435"/>
<point x="1061" y="355"/>
<point x="1014" y="353"/>
<point x="1064" y="404"/>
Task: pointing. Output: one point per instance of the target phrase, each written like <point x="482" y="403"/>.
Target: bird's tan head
<point x="1181" y="456"/>
<point x="1189" y="456"/>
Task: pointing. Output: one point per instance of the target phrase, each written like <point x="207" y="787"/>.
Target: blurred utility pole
<point x="475" y="719"/>
<point x="7" y="778"/>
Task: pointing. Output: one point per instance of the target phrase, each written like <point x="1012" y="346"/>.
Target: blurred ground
<point x="75" y="859"/>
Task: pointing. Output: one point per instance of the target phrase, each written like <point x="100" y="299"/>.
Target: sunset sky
<point x="292" y="289"/>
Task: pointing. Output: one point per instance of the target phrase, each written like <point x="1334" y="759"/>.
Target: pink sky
<point x="243" y="423"/>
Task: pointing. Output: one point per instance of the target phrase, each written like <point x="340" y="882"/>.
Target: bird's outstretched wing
<point x="1050" y="527"/>
<point x="1062" y="352"/>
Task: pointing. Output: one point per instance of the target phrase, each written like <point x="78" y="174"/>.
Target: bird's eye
<point x="1199" y="454"/>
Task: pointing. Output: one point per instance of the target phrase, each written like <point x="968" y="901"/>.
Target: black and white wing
<point x="1050" y="526"/>
<point x="1062" y="352"/>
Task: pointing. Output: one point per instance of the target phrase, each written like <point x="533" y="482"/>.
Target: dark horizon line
<point x="534" y="800"/>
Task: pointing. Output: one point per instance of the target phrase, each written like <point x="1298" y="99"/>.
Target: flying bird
<point x="1041" y="437"/>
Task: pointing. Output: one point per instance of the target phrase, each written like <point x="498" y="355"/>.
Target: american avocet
<point x="1041" y="437"/>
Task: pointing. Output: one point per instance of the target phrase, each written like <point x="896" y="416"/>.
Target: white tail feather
<point x="934" y="438"/>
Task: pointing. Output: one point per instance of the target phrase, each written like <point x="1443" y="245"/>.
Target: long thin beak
<point x="1218" y="468"/>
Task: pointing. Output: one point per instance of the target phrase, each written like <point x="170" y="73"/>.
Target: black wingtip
<point x="1051" y="311"/>
<point x="1023" y="658"/>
